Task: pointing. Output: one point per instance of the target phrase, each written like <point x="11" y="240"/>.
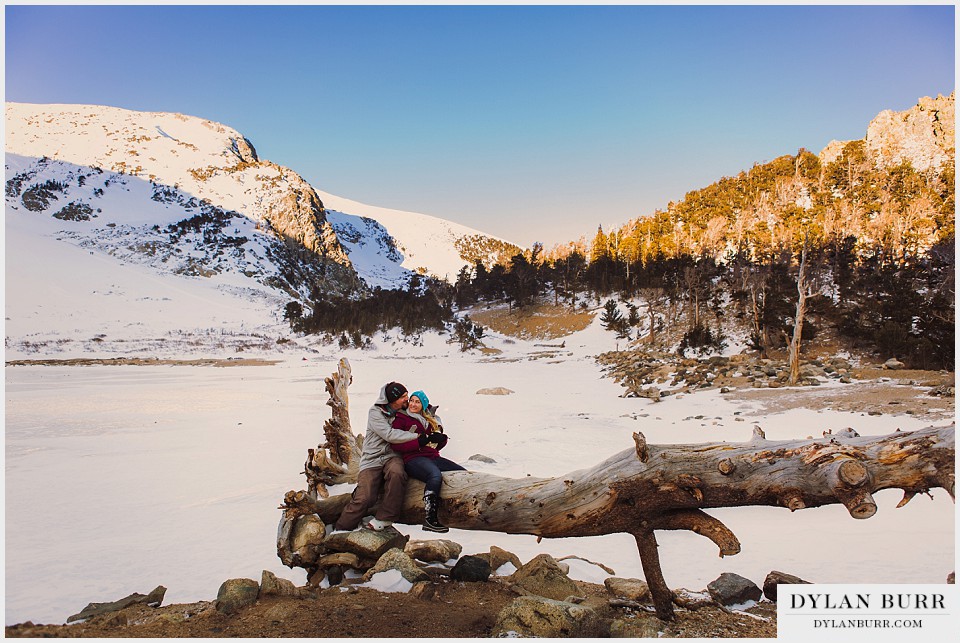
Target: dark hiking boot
<point x="430" y="521"/>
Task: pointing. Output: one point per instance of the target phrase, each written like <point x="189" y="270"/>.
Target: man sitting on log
<point x="380" y="465"/>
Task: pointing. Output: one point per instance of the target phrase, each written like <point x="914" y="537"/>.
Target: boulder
<point x="535" y="616"/>
<point x="270" y="585"/>
<point x="153" y="599"/>
<point x="733" y="589"/>
<point x="497" y="558"/>
<point x="308" y="533"/>
<point x="433" y="551"/>
<point x="479" y="457"/>
<point x="893" y="364"/>
<point x="236" y="594"/>
<point x="632" y="589"/>
<point x="423" y="590"/>
<point x="543" y="576"/>
<point x="366" y="543"/>
<point x="396" y="559"/>
<point x="472" y="569"/>
<point x="343" y="558"/>
<point x="497" y="390"/>
<point x="775" y="578"/>
<point x="641" y="627"/>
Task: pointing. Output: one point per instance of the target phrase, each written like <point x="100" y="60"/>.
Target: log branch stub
<point x="907" y="497"/>
<point x="643" y="453"/>
<point x="852" y="473"/>
<point x="848" y="479"/>
<point x="726" y="466"/>
<point x="859" y="503"/>
<point x="794" y="502"/>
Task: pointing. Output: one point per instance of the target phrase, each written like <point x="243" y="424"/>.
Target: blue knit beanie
<point x="424" y="400"/>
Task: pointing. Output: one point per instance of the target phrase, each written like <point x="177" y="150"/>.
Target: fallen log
<point x="648" y="487"/>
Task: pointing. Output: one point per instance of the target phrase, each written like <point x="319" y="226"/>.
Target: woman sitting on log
<point x="424" y="462"/>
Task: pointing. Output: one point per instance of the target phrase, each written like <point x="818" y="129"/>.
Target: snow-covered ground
<point x="121" y="478"/>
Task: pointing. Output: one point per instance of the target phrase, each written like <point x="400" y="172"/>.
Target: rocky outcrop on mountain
<point x="924" y="135"/>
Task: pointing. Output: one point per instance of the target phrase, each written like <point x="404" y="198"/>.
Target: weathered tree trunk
<point x="655" y="487"/>
<point x="803" y="292"/>
<point x="336" y="461"/>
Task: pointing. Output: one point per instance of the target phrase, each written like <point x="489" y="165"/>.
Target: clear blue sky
<point x="530" y="123"/>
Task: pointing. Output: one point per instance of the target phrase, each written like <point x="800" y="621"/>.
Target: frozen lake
<point x="122" y="478"/>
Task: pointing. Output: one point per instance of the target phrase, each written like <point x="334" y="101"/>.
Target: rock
<point x="497" y="558"/>
<point x="545" y="618"/>
<point x="544" y="577"/>
<point x="482" y="458"/>
<point x="775" y="578"/>
<point x="343" y="558"/>
<point x="893" y="364"/>
<point x="236" y="594"/>
<point x="366" y="543"/>
<point x="472" y="569"/>
<point x="270" y="585"/>
<point x="498" y="390"/>
<point x="923" y="135"/>
<point x="433" y="551"/>
<point x="632" y="589"/>
<point x="641" y="627"/>
<point x="733" y="589"/>
<point x="423" y="590"/>
<point x="153" y="599"/>
<point x="317" y="577"/>
<point x="308" y="533"/>
<point x="396" y="559"/>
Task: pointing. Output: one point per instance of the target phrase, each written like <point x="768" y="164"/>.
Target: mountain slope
<point x="96" y="196"/>
<point x="190" y="157"/>
<point x="208" y="172"/>
<point x="386" y="244"/>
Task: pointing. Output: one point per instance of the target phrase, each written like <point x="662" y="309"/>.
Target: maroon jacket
<point x="412" y="449"/>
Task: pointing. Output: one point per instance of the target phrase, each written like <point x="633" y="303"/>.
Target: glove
<point x="440" y="439"/>
<point x="424" y="438"/>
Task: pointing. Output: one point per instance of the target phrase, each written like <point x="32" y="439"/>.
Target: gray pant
<point x="392" y="477"/>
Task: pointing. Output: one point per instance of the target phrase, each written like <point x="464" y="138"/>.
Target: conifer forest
<point x="794" y="244"/>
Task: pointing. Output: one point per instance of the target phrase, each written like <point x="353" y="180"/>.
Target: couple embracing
<point x="404" y="438"/>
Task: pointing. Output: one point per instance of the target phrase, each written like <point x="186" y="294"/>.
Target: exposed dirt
<point x="456" y="610"/>
<point x="876" y="392"/>
<point x="540" y="321"/>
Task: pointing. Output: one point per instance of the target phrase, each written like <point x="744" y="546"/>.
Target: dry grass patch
<point x="541" y="321"/>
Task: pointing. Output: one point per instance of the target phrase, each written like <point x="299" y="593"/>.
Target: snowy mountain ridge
<point x="217" y="166"/>
<point x="127" y="231"/>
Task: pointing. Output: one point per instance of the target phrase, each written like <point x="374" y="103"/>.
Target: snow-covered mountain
<point x="189" y="164"/>
<point x="384" y="244"/>
<point x="98" y="195"/>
